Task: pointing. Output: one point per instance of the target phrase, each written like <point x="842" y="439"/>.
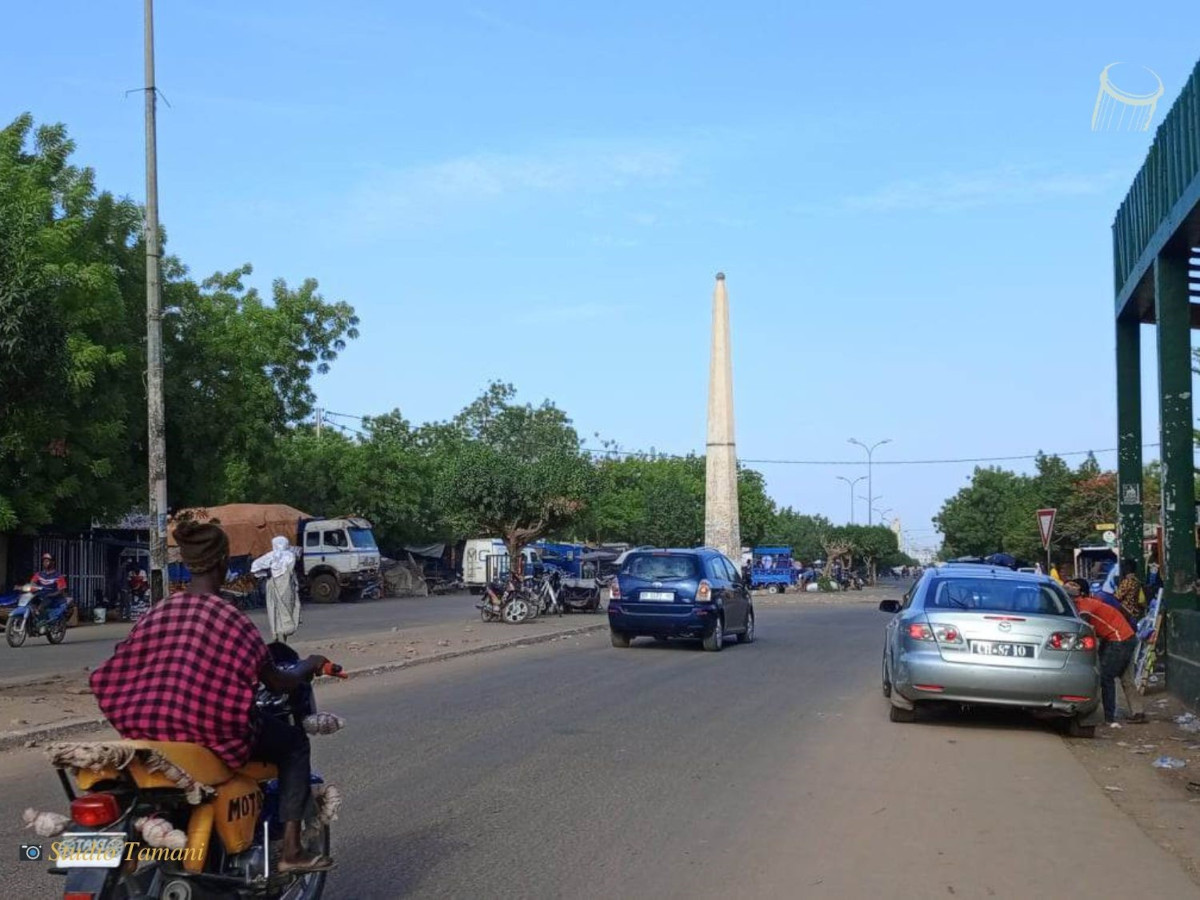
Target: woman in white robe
<point x="283" y="598"/>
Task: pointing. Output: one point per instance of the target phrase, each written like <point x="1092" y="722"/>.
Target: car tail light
<point x="704" y="592"/>
<point x="947" y="634"/>
<point x="1074" y="698"/>
<point x="614" y="590"/>
<point x="920" y="632"/>
<point x="93" y="810"/>
<point x="931" y="688"/>
<point x="1069" y="640"/>
<point x="78" y="895"/>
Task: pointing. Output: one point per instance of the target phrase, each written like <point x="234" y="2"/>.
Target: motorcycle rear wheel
<point x="515" y="611"/>
<point x="56" y="631"/>
<point x="15" y="630"/>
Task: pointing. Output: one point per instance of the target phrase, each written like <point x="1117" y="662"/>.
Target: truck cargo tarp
<point x="433" y="551"/>
<point x="250" y="526"/>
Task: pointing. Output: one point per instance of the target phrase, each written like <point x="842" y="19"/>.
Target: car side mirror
<point x="889" y="606"/>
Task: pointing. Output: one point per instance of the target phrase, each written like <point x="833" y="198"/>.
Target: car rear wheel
<point x="619" y="639"/>
<point x="1076" y="729"/>
<point x="896" y="714"/>
<point x="747" y="636"/>
<point x="715" y="640"/>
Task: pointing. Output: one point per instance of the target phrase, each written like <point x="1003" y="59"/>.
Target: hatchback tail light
<point x="94" y="810"/>
<point x="1069" y="640"/>
<point x="704" y="592"/>
<point x="947" y="634"/>
<point x="920" y="632"/>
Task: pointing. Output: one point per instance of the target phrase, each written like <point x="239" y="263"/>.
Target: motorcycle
<point x="210" y="835"/>
<point x="506" y="601"/>
<point x="38" y="614"/>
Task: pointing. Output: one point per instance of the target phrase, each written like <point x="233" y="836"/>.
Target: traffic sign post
<point x="1045" y="520"/>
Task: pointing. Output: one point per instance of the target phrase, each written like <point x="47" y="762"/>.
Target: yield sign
<point x="1045" y="519"/>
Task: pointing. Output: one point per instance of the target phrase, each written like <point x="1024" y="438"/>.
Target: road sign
<point x="1045" y="519"/>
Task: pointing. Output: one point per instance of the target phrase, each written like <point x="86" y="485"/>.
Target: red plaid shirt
<point x="187" y="672"/>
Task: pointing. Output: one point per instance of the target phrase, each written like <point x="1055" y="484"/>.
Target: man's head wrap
<point x="202" y="546"/>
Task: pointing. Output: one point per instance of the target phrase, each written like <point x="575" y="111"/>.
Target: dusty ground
<point x="1165" y="803"/>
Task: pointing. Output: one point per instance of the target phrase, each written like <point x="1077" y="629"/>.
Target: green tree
<point x="756" y="510"/>
<point x="69" y="262"/>
<point x="238" y="374"/>
<point x="512" y="470"/>
<point x="803" y="533"/>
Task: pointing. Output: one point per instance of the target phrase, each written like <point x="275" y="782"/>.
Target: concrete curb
<point x="11" y="739"/>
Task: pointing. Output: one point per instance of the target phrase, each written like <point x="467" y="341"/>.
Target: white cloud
<point x="1004" y="185"/>
<point x="427" y="193"/>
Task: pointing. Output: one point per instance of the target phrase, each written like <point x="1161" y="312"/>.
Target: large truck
<point x="336" y="556"/>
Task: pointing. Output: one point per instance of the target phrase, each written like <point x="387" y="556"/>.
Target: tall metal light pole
<point x="157" y="444"/>
<point x="852" y="483"/>
<point x="870" y="451"/>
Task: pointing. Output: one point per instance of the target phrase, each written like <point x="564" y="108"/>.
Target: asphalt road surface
<point x="90" y="645"/>
<point x="573" y="769"/>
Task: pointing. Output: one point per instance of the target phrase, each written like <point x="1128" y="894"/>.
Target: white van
<point x="486" y="559"/>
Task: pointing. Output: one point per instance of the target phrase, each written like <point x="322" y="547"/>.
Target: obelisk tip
<point x="720" y="276"/>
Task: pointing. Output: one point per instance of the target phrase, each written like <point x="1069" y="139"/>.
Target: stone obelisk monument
<point x="721" y="527"/>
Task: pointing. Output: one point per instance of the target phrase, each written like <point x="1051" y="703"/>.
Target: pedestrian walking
<point x="283" y="598"/>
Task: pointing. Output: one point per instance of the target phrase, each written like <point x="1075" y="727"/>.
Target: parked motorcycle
<point x="506" y="601"/>
<point x="38" y="614"/>
<point x="153" y="834"/>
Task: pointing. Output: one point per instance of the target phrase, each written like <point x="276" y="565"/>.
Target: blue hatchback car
<point x="664" y="594"/>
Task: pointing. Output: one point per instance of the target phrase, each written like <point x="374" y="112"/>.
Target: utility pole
<point x="157" y="444"/>
<point x="870" y="451"/>
<point x="852" y="483"/>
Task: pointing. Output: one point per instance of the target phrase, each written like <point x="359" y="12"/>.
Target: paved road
<point x="90" y="645"/>
<point x="576" y="770"/>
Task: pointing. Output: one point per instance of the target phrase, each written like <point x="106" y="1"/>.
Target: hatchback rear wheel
<point x="896" y="714"/>
<point x="715" y="640"/>
<point x="619" y="639"/>
<point x="1076" y="729"/>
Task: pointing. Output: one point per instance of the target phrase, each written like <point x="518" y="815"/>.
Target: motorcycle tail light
<point x="93" y="810"/>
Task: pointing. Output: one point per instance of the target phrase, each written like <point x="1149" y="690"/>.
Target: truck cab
<point x="338" y="555"/>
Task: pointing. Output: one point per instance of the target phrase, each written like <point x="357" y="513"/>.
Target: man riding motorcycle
<point x="47" y="584"/>
<point x="188" y="672"/>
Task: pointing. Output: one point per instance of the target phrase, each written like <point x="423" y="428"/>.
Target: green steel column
<point x="1173" y="314"/>
<point x="1129" y="439"/>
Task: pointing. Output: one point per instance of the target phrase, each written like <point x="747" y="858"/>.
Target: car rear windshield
<point x="661" y="567"/>
<point x="998" y="595"/>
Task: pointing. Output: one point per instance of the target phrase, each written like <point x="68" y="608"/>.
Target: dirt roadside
<point x="47" y="707"/>
<point x="1163" y="802"/>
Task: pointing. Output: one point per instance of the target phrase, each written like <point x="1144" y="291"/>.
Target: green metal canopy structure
<point x="1156" y="256"/>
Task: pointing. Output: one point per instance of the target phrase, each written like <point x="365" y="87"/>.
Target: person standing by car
<point x="1117" y="645"/>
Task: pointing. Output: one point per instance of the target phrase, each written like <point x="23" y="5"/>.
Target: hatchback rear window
<point x="998" y="595"/>
<point x="654" y="567"/>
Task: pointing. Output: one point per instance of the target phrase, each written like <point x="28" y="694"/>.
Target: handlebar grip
<point x="333" y="670"/>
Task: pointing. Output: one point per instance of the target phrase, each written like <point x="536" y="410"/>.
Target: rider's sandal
<point x="320" y="863"/>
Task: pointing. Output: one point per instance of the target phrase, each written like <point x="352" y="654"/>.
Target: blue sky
<point x="911" y="208"/>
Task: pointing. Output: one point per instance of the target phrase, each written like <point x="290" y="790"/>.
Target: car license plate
<point x="995" y="648"/>
<point x="656" y="595"/>
<point x="88" y="850"/>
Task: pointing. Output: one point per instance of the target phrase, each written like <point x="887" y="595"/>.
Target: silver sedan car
<point x="971" y="634"/>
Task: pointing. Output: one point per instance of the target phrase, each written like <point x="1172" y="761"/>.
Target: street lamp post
<point x="852" y="483"/>
<point x="870" y="451"/>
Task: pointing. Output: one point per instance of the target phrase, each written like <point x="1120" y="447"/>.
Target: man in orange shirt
<point x="1117" y="645"/>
